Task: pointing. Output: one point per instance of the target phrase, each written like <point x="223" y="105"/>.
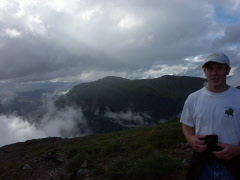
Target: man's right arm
<point x="194" y="140"/>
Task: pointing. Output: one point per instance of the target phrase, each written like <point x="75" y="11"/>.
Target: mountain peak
<point x="112" y="78"/>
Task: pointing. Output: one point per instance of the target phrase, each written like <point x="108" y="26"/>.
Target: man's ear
<point x="204" y="70"/>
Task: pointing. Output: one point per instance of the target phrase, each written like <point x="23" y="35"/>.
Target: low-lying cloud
<point x="14" y="129"/>
<point x="67" y="122"/>
<point x="128" y="118"/>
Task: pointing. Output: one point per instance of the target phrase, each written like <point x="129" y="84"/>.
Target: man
<point x="213" y="114"/>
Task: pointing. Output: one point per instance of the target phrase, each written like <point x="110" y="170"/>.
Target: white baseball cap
<point x="218" y="58"/>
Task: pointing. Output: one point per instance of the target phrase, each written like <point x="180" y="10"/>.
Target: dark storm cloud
<point x="231" y="35"/>
<point x="86" y="40"/>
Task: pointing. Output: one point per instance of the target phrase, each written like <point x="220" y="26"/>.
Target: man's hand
<point x="195" y="140"/>
<point x="197" y="143"/>
<point x="228" y="152"/>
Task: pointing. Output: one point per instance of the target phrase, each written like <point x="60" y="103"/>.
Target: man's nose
<point x="214" y="71"/>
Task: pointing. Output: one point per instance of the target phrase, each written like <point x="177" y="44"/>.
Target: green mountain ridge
<point x="150" y="100"/>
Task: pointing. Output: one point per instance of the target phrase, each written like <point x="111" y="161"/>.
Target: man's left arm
<point x="228" y="152"/>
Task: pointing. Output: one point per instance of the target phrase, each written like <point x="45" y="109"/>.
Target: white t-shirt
<point x="214" y="113"/>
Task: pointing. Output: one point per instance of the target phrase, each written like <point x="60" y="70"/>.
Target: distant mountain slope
<point x="115" y="103"/>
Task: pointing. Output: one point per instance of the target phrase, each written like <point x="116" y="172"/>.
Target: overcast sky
<point x="84" y="40"/>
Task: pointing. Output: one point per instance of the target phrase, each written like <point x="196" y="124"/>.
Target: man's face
<point x="216" y="73"/>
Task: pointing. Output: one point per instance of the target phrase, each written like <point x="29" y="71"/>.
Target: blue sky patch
<point x="223" y="17"/>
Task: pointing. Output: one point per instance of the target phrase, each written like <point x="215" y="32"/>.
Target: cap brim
<point x="215" y="61"/>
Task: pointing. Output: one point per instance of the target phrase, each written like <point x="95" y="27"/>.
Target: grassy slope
<point x="139" y="153"/>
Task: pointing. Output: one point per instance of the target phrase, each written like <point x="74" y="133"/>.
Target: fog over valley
<point x="17" y="127"/>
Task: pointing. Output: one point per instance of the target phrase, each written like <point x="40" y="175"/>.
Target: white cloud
<point x="90" y="13"/>
<point x="12" y="33"/>
<point x="36" y="25"/>
<point x="129" y="22"/>
<point x="14" y="129"/>
<point x="67" y="122"/>
<point x="234" y="80"/>
<point x="63" y="6"/>
<point x="195" y="59"/>
<point x="161" y="70"/>
<point x="128" y="118"/>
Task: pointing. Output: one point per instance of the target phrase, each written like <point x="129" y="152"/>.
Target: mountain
<point x="115" y="103"/>
<point x="35" y="86"/>
<point x="140" y="153"/>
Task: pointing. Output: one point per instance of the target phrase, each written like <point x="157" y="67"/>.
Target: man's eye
<point x="209" y="68"/>
<point x="220" y="67"/>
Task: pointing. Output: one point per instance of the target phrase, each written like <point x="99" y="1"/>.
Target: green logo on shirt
<point x="229" y="112"/>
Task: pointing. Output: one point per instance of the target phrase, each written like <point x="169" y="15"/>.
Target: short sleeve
<point x="187" y="113"/>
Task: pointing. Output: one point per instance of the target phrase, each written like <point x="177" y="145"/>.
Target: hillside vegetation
<point x="145" y="153"/>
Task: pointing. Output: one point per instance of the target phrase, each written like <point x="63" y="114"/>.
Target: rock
<point x="82" y="172"/>
<point x="185" y="145"/>
<point x="156" y="151"/>
<point x="186" y="162"/>
<point x="55" y="174"/>
<point x="27" y="167"/>
<point x="47" y="157"/>
<point x="87" y="163"/>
